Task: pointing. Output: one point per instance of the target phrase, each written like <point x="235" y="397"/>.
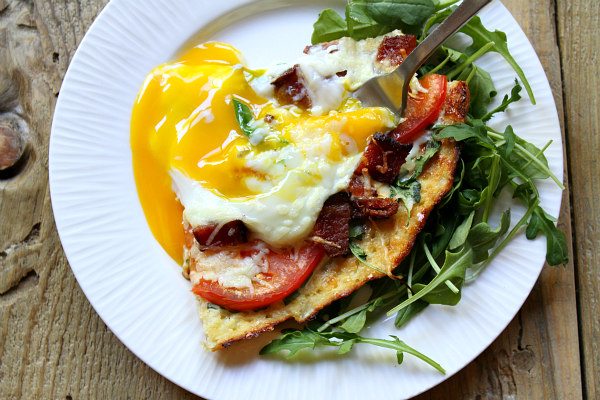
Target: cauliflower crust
<point x="387" y="243"/>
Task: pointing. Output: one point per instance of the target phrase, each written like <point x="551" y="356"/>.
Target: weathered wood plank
<point x="53" y="344"/>
<point x="579" y="40"/>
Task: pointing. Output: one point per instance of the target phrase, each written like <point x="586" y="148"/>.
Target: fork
<point x="383" y="90"/>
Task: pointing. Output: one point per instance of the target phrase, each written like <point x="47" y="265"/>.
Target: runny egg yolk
<point x="184" y="120"/>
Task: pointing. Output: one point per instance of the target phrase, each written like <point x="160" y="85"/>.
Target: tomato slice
<point x="422" y="111"/>
<point x="288" y="269"/>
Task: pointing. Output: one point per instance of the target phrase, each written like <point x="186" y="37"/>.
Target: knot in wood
<point x="12" y="146"/>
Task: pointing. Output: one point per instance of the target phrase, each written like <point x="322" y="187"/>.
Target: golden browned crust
<point x="387" y="242"/>
<point x="456" y="105"/>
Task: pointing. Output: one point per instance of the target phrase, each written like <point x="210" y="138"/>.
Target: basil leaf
<point x="409" y="193"/>
<point x="556" y="244"/>
<point x="431" y="149"/>
<point x="329" y="26"/>
<point x="244" y="117"/>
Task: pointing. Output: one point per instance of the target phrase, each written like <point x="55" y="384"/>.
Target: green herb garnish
<point x="244" y="117"/>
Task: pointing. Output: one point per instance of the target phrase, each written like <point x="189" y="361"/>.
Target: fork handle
<point x="435" y="39"/>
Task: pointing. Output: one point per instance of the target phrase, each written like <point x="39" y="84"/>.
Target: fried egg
<point x="192" y="159"/>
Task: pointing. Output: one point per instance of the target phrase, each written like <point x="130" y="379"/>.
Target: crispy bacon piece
<point x="365" y="203"/>
<point x="290" y="88"/>
<point x="375" y="207"/>
<point x="384" y="156"/>
<point x="332" y="229"/>
<point x="229" y="234"/>
<point x="395" y="49"/>
<point x="358" y="187"/>
<point x="456" y="104"/>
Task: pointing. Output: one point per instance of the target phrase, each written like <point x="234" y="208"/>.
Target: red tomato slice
<point x="422" y="111"/>
<point x="287" y="272"/>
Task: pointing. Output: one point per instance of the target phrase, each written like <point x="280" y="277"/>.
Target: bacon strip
<point x="290" y="88"/>
<point x="230" y="234"/>
<point x="384" y="156"/>
<point x="395" y="49"/>
<point x="375" y="207"/>
<point x="332" y="229"/>
<point x="365" y="203"/>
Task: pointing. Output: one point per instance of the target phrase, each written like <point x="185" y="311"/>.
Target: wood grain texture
<point x="52" y="343"/>
<point x="579" y="40"/>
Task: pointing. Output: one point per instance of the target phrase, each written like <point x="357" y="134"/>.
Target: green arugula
<point x="409" y="312"/>
<point x="292" y="341"/>
<point x="506" y="101"/>
<point x="556" y="243"/>
<point x="458" y="240"/>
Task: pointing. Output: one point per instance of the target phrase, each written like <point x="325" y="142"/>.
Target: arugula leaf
<point x="481" y="36"/>
<point x="244" y="117"/>
<point x="460" y="132"/>
<point x="293" y="341"/>
<point x="482" y="237"/>
<point x="556" y="244"/>
<point x="329" y="26"/>
<point x="441" y="294"/>
<point x="482" y="90"/>
<point x="461" y="233"/>
<point x="407" y="313"/>
<point x="390" y="12"/>
<point x="355" y="323"/>
<point x="455" y="265"/>
<point x="506" y="101"/>
<point x="523" y="156"/>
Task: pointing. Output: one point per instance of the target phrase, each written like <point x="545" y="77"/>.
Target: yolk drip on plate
<point x="184" y="120"/>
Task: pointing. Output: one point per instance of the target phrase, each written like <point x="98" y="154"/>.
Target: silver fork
<point x="384" y="90"/>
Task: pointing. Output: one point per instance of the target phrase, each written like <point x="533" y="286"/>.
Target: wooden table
<point x="54" y="346"/>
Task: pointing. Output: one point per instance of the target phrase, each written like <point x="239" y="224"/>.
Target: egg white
<point x="300" y="175"/>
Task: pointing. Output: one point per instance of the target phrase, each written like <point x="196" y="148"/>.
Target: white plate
<point x="138" y="290"/>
